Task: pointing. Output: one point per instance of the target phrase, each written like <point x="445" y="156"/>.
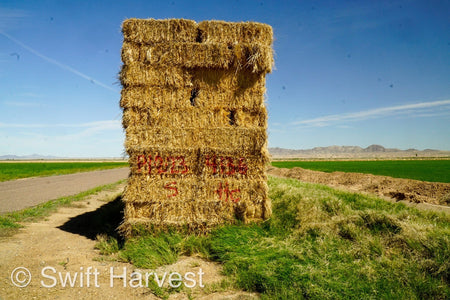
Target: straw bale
<point x="247" y="139"/>
<point x="193" y="117"/>
<point x="133" y="74"/>
<point x="164" y="163"/>
<point x="202" y="163"/>
<point x="197" y="217"/>
<point x="252" y="118"/>
<point x="188" y="118"/>
<point x="138" y="74"/>
<point x="235" y="164"/>
<point x="149" y="31"/>
<point x="226" y="196"/>
<point x="257" y="58"/>
<point x="195" y="123"/>
<point x="190" y="55"/>
<point x="178" y="214"/>
<point x="149" y="189"/>
<point x="201" y="223"/>
<point x="235" y="32"/>
<point x="221" y="79"/>
<point x="185" y="98"/>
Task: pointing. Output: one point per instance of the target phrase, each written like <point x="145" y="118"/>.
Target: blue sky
<point x="347" y="72"/>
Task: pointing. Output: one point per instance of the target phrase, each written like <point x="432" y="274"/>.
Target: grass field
<point x="425" y="170"/>
<point x="12" y="170"/>
<point x="320" y="243"/>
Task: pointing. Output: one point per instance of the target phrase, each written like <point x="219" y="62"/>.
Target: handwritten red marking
<point x="226" y="165"/>
<point x="162" y="165"/>
<point x="230" y="166"/>
<point x="242" y="167"/>
<point x="169" y="186"/>
<point x="227" y="193"/>
<point x="141" y="161"/>
<point x="212" y="163"/>
<point x="159" y="164"/>
<point x="183" y="164"/>
<point x="235" y="200"/>
<point x="174" y="163"/>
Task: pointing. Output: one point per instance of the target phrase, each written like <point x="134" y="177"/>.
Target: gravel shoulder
<point x="22" y="193"/>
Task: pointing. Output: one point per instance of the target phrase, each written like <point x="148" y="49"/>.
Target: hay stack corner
<point x="195" y="123"/>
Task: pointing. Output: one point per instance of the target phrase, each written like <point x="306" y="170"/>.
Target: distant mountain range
<point x="355" y="151"/>
<point x="24" y="157"/>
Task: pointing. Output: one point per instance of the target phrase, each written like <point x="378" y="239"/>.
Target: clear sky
<point x="347" y="72"/>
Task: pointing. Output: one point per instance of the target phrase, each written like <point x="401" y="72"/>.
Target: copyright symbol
<point x="21" y="277"/>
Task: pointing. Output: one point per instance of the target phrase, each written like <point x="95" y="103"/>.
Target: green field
<point x="16" y="170"/>
<point x="425" y="170"/>
<point x="320" y="243"/>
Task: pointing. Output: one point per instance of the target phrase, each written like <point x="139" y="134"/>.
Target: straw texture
<point x="195" y="123"/>
<point x="144" y="97"/>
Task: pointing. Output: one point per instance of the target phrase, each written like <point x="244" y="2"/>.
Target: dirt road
<point x="57" y="259"/>
<point x="22" y="193"/>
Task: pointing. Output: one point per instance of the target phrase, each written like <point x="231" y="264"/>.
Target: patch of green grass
<point x="151" y="251"/>
<point x="12" y="220"/>
<point x="107" y="245"/>
<point x="158" y="291"/>
<point x="12" y="170"/>
<point x="425" y="170"/>
<point x="322" y="244"/>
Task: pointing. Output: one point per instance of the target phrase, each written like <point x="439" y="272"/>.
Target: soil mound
<point x="396" y="188"/>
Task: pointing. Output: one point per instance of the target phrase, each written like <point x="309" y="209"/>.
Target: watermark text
<point x="50" y="277"/>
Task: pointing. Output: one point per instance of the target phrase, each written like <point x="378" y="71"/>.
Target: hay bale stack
<point x="195" y="122"/>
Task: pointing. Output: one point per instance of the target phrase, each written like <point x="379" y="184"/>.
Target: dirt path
<point x="22" y="193"/>
<point x="430" y="194"/>
<point x="64" y="244"/>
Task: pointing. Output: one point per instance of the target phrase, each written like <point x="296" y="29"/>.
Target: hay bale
<point x="143" y="97"/>
<point x="141" y="74"/>
<point x="205" y="163"/>
<point x="194" y="117"/>
<point x="196" y="205"/>
<point x="150" y="31"/>
<point x="232" y="33"/>
<point x="138" y="74"/>
<point x="210" y="44"/>
<point x="195" y="123"/>
<point x="248" y="140"/>
<point x="254" y="57"/>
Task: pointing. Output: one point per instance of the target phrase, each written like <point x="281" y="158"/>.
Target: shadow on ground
<point x="103" y="221"/>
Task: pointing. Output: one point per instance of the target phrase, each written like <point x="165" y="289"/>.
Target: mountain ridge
<point x="373" y="150"/>
<point x="31" y="156"/>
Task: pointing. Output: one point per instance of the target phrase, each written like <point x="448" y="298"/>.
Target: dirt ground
<point x="63" y="245"/>
<point x="398" y="189"/>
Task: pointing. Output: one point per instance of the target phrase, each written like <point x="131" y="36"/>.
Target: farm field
<point x="16" y="170"/>
<point x="424" y="170"/>
<point x="319" y="244"/>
